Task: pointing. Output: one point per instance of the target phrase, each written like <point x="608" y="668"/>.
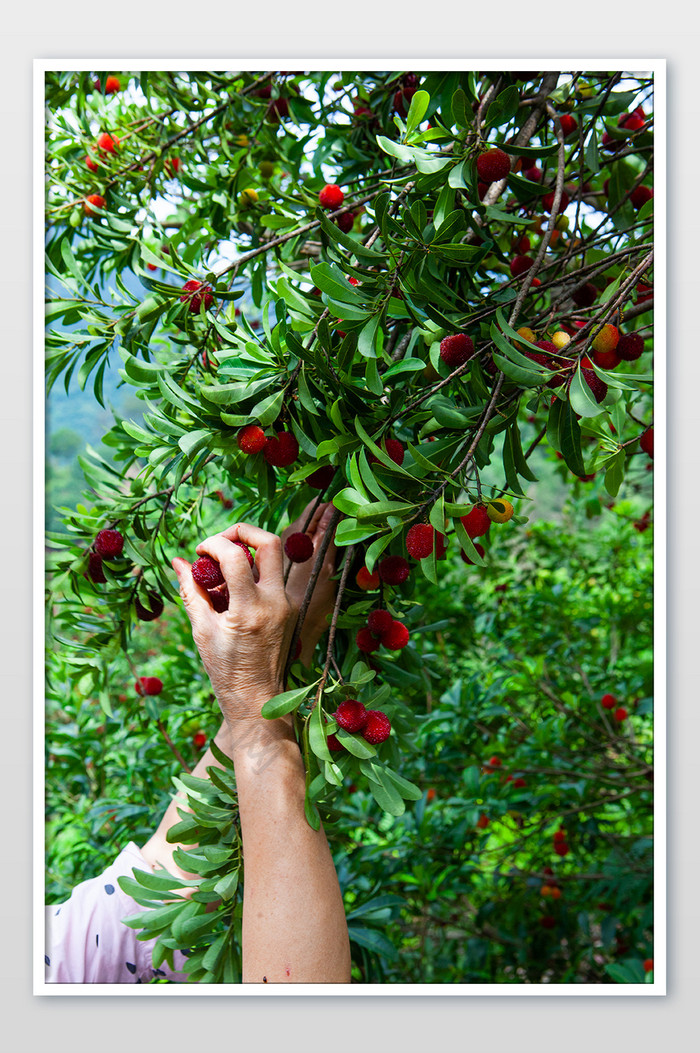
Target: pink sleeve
<point x="86" y="940"/>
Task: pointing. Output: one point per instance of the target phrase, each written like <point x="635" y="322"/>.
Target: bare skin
<point x="294" y="928"/>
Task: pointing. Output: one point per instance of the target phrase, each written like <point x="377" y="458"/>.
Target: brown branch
<point x="334" y="620"/>
<point x="172" y="747"/>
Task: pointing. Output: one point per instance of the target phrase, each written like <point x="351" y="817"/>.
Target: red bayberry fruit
<point x="558" y="836"/>
<point x="321" y="478"/>
<point x="207" y="572"/>
<point x="91" y="164"/>
<point x="148" y="685"/>
<point x="476" y="522"/>
<point x="378" y="727"/>
<point x="548" y="201"/>
<point x="479" y="548"/>
<point x="334" y="744"/>
<point x="648" y="965"/>
<point x="608" y="701"/>
<point x="345" y="221"/>
<point x="251" y="439"/>
<point x="483" y="821"/>
<point x="282" y="450"/>
<point x="630" y="346"/>
<point x="493" y="165"/>
<point x="569" y="124"/>
<point x="106" y="144"/>
<point x="394" y="450"/>
<point x="456" y="349"/>
<point x="495" y="762"/>
<point x="585" y="295"/>
<point x="366" y="642"/>
<point x="620" y="714"/>
<point x="248" y="553"/>
<point x="520" y="264"/>
<point x="94" y="570"/>
<point x="640" y="195"/>
<point x="631" y="122"/>
<point x="533" y="173"/>
<point x="598" y="387"/>
<point x="561" y="848"/>
<point x="109" y="544"/>
<point x="367" y="581"/>
<point x="644" y="292"/>
<point x="112" y="84"/>
<point x="379" y="621"/>
<point x="396" y="637"/>
<point x="393" y="570"/>
<point x="646" y="442"/>
<point x="93" y="203"/>
<point x="299" y="547"/>
<point x="195" y="294"/>
<point x="151" y="609"/>
<point x="420" y="540"/>
<point x="199" y="739"/>
<point x="277" y="109"/>
<point x="351" y="715"/>
<point x="519" y="782"/>
<point x="331" y="196"/>
<point x="220" y="599"/>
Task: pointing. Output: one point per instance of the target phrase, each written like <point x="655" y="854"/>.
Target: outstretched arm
<point x="294" y="928"/>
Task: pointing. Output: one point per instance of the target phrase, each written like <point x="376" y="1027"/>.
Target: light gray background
<point x="127" y="28"/>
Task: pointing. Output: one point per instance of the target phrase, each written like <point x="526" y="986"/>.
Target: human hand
<point x="323" y="596"/>
<point x="244" y="648"/>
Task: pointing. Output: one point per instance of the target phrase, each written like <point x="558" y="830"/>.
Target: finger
<point x="234" y="564"/>
<point x="268" y="552"/>
<point x="194" y="597"/>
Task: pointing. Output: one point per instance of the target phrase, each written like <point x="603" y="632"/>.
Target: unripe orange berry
<point x="606" y="339"/>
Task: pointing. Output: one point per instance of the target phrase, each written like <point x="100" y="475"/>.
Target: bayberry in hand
<point x="299" y="547"/>
<point x="195" y="294"/>
<point x="207" y="572"/>
<point x="420" y="540"/>
<point x="331" y="196"/>
<point x="393" y="570"/>
<point x="378" y="727"/>
<point x="351" y="715"/>
<point x="476" y="522"/>
<point x="493" y="165"/>
<point x="248" y="553"/>
<point x="109" y="544"/>
<point x="148" y="685"/>
<point x="282" y="450"/>
<point x="456" y="349"/>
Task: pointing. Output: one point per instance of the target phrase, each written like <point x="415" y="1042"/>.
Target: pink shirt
<point x="86" y="941"/>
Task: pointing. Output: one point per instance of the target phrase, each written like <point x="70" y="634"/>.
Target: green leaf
<point x="284" y="703"/>
<point x="615" y="473"/>
<point x="416" y="111"/>
<point x="365" y="340"/>
<point x="355" y="745"/>
<point x="568" y="435"/>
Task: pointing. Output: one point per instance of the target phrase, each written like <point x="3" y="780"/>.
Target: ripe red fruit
<point x="585" y="295"/>
<point x="351" y="715"/>
<point x="379" y="622"/>
<point x="620" y="714"/>
<point x="393" y="448"/>
<point x="148" y="685"/>
<point x="92" y="203"/>
<point x="646" y="442"/>
<point x="91" y="164"/>
<point x="207" y="572"/>
<point x="608" y="701"/>
<point x="569" y="124"/>
<point x="483" y="821"/>
<point x="648" y="965"/>
<point x="396" y="637"/>
<point x="149" y="611"/>
<point x="420" y="540"/>
<point x="455" y="350"/>
<point x="548" y="201"/>
<point x="479" y="548"/>
<point x="321" y="478"/>
<point x="630" y="346"/>
<point x="220" y="599"/>
<point x="248" y="553"/>
<point x="366" y="581"/>
<point x="476" y="522"/>
<point x="331" y="196"/>
<point x="519" y="782"/>
<point x="607" y="359"/>
<point x="199" y="739"/>
<point x="561" y="848"/>
<point x="282" y="450"/>
<point x="277" y="108"/>
<point x="112" y="84"/>
<point x="533" y="173"/>
<point x="109" y="544"/>
<point x="345" y="221"/>
<point x="495" y="762"/>
<point x="195" y="294"/>
<point x="631" y="122"/>
<point x="251" y="439"/>
<point x="644" y="292"/>
<point x="640" y="195"/>
<point x="520" y="264"/>
<point x="378" y="727"/>
<point x="94" y="570"/>
<point x="558" y="836"/>
<point x="598" y="387"/>
<point x="393" y="570"/>
<point x="333" y="743"/>
<point x="299" y="547"/>
<point x="493" y="165"/>
<point x="107" y="144"/>
<point x="366" y="642"/>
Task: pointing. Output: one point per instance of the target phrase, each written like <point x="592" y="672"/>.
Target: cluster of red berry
<point x="351" y="715"/>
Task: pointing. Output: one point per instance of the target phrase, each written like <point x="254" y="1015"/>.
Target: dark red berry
<point x="299" y="547"/>
<point x="394" y="570"/>
<point x="366" y="642"/>
<point x="608" y="701"/>
<point x="456" y="349"/>
<point x="199" y="739"/>
<point x="109" y="544"/>
<point x="630" y="346"/>
<point x="476" y="522"/>
<point x="251" y="439"/>
<point x="479" y="548"/>
<point x="379" y="621"/>
<point x="207" y="572"/>
<point x="331" y="196"/>
<point x="95" y="571"/>
<point x="597" y="386"/>
<point x="520" y="264"/>
<point x="585" y="295"/>
<point x="378" y="727"/>
<point x="493" y="165"/>
<point x="345" y="221"/>
<point x="646" y="442"/>
<point x="569" y="124"/>
<point x="282" y="450"/>
<point x="321" y="478"/>
<point x="195" y="294"/>
<point x="394" y="450"/>
<point x="548" y="201"/>
<point x="149" y="611"/>
<point x="148" y="685"/>
<point x="351" y="715"/>
<point x="420" y="540"/>
<point x="396" y="637"/>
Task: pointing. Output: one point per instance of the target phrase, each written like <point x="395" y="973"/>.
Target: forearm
<point x="294" y="927"/>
